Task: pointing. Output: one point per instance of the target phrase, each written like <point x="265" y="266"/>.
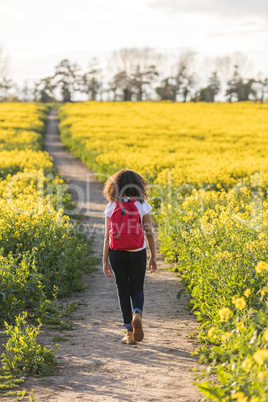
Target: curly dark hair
<point x="126" y="183"/>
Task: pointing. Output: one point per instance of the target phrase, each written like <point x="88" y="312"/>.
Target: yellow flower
<point x="261" y="236"/>
<point x="263" y="375"/>
<point x="240" y="396"/>
<point x="265" y="335"/>
<point x="261" y="266"/>
<point x="240" y="325"/>
<point x="247" y="292"/>
<point x="234" y="299"/>
<point x="225" y="313"/>
<point x="260" y="356"/>
<point x="264" y="290"/>
<point x="240" y="303"/>
<point x="247" y="364"/>
<point x="226" y="335"/>
<point x="212" y="332"/>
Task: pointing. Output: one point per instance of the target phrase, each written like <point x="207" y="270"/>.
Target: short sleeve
<point x="145" y="208"/>
<point x="109" y="209"/>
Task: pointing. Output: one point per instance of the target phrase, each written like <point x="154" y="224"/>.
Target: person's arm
<point x="107" y="270"/>
<point x="148" y="228"/>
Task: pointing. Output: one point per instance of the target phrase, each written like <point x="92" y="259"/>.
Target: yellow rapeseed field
<point x="32" y="223"/>
<point x="193" y="143"/>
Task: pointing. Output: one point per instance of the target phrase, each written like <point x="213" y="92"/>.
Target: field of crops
<point x="39" y="255"/>
<point x="207" y="166"/>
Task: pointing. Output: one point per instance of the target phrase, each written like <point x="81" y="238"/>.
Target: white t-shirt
<point x="143" y="207"/>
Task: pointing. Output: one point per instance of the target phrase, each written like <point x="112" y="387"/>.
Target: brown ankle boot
<point x="137" y="327"/>
<point x="128" y="338"/>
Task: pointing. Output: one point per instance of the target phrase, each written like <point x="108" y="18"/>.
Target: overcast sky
<point x="38" y="34"/>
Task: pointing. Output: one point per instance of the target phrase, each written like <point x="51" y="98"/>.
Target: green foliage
<point x="217" y="245"/>
<point x="59" y="338"/>
<point x="8" y="381"/>
<point x="23" y="354"/>
<point x="71" y="307"/>
<point x="18" y="394"/>
<point x="20" y="284"/>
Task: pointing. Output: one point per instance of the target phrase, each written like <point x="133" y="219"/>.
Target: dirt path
<point x="95" y="365"/>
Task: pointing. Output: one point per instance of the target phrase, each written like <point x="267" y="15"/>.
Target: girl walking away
<point x="127" y="219"/>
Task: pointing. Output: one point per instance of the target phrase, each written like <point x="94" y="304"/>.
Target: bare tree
<point x="25" y="91"/>
<point x="233" y="83"/>
<point x="239" y="88"/>
<point x="208" y="93"/>
<point x="143" y="79"/>
<point x="5" y="85"/>
<point x="121" y="65"/>
<point x="5" y="82"/>
<point x="122" y="81"/>
<point x="44" y="90"/>
<point x="91" y="81"/>
<point x="165" y="91"/>
<point x="134" y="71"/>
<point x="225" y="65"/>
<point x="66" y="78"/>
<point x="234" y="69"/>
<point x="185" y="76"/>
<point x="214" y="85"/>
<point x="187" y="84"/>
<point x="112" y="89"/>
<point x="146" y="71"/>
<point x="260" y="87"/>
<point x="181" y="79"/>
<point x="264" y="88"/>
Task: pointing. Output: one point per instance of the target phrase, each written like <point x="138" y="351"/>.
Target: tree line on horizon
<point x="140" y="74"/>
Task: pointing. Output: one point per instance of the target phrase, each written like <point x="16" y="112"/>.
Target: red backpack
<point x="125" y="229"/>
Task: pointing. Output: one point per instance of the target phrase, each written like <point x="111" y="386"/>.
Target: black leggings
<point x="129" y="268"/>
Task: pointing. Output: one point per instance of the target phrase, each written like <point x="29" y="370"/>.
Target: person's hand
<point x="152" y="265"/>
<point x="107" y="270"/>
